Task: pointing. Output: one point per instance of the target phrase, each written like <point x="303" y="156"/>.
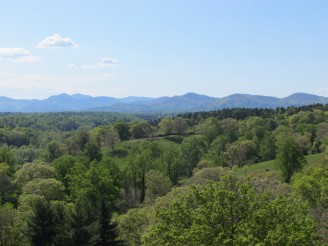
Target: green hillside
<point x="268" y="168"/>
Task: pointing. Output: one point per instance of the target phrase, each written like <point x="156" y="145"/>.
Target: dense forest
<point x="227" y="177"/>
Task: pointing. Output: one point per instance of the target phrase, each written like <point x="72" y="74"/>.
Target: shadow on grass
<point x="120" y="153"/>
<point x="174" y="139"/>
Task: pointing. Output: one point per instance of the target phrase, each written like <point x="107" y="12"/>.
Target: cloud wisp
<point x="18" y="55"/>
<point x="13" y="52"/>
<point x="56" y="41"/>
<point x="72" y="66"/>
<point x="104" y="62"/>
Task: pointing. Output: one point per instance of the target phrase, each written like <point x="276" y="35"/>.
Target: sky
<point x="159" y="48"/>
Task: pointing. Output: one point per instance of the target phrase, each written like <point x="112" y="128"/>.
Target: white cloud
<point x="104" y="62"/>
<point x="14" y="52"/>
<point x="30" y="58"/>
<point x="19" y="55"/>
<point x="72" y="66"/>
<point x="56" y="41"/>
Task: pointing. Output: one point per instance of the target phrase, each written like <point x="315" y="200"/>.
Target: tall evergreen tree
<point x="107" y="231"/>
<point x="41" y="225"/>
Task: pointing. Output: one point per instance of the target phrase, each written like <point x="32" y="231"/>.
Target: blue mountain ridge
<point x="189" y="102"/>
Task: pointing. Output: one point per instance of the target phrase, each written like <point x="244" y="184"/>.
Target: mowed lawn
<point x="268" y="168"/>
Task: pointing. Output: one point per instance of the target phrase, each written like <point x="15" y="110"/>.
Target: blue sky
<point x="163" y="47"/>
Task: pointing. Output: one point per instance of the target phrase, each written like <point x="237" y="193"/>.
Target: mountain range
<point x="189" y="102"/>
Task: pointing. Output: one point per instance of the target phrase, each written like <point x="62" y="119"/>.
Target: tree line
<point x="120" y="180"/>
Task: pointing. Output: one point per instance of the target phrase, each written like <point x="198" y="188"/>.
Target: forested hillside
<point x="226" y="177"/>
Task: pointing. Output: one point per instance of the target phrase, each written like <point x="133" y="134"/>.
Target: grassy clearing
<point x="123" y="149"/>
<point x="268" y="168"/>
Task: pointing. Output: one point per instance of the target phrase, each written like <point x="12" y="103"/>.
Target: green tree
<point x="312" y="186"/>
<point x="209" y="128"/>
<point x="53" y="151"/>
<point x="5" y="183"/>
<point x="192" y="149"/>
<point x="8" y="234"/>
<point x="30" y="171"/>
<point x="166" y="126"/>
<point x="45" y="224"/>
<point x="110" y="138"/>
<point x="81" y="226"/>
<point x="140" y="129"/>
<point x="123" y="130"/>
<point x="50" y="189"/>
<point x="172" y="165"/>
<point x="107" y="231"/>
<point x="180" y="125"/>
<point x="230" y="128"/>
<point x="90" y="185"/>
<point x="217" y="148"/>
<point x="82" y="139"/>
<point x="93" y="151"/>
<point x="63" y="167"/>
<point x="7" y="156"/>
<point x="240" y="153"/>
<point x="106" y="136"/>
<point x="289" y="158"/>
<point x="133" y="224"/>
<point x="140" y="162"/>
<point x="230" y="212"/>
<point x="156" y="185"/>
<point x="267" y="147"/>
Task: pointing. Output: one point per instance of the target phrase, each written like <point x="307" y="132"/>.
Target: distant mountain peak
<point x="302" y="95"/>
<point x="189" y="102"/>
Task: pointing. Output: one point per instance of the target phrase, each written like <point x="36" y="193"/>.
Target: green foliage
<point x="166" y="126"/>
<point x="192" y="149"/>
<point x="63" y="167"/>
<point x="53" y="151"/>
<point x="82" y="226"/>
<point x="142" y="160"/>
<point x="8" y="235"/>
<point x="90" y="185"/>
<point x="140" y="129"/>
<point x="85" y="173"/>
<point x="106" y="136"/>
<point x="172" y="165"/>
<point x="180" y="125"/>
<point x="156" y="185"/>
<point x="5" y="183"/>
<point x="209" y="173"/>
<point x="229" y="212"/>
<point x="6" y="156"/>
<point x="107" y="231"/>
<point x="45" y="225"/>
<point x="289" y="158"/>
<point x="312" y="186"/>
<point x="93" y="151"/>
<point x="30" y="171"/>
<point x="209" y="128"/>
<point x="50" y="189"/>
<point x="132" y="225"/>
<point x="123" y="130"/>
<point x="240" y="153"/>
